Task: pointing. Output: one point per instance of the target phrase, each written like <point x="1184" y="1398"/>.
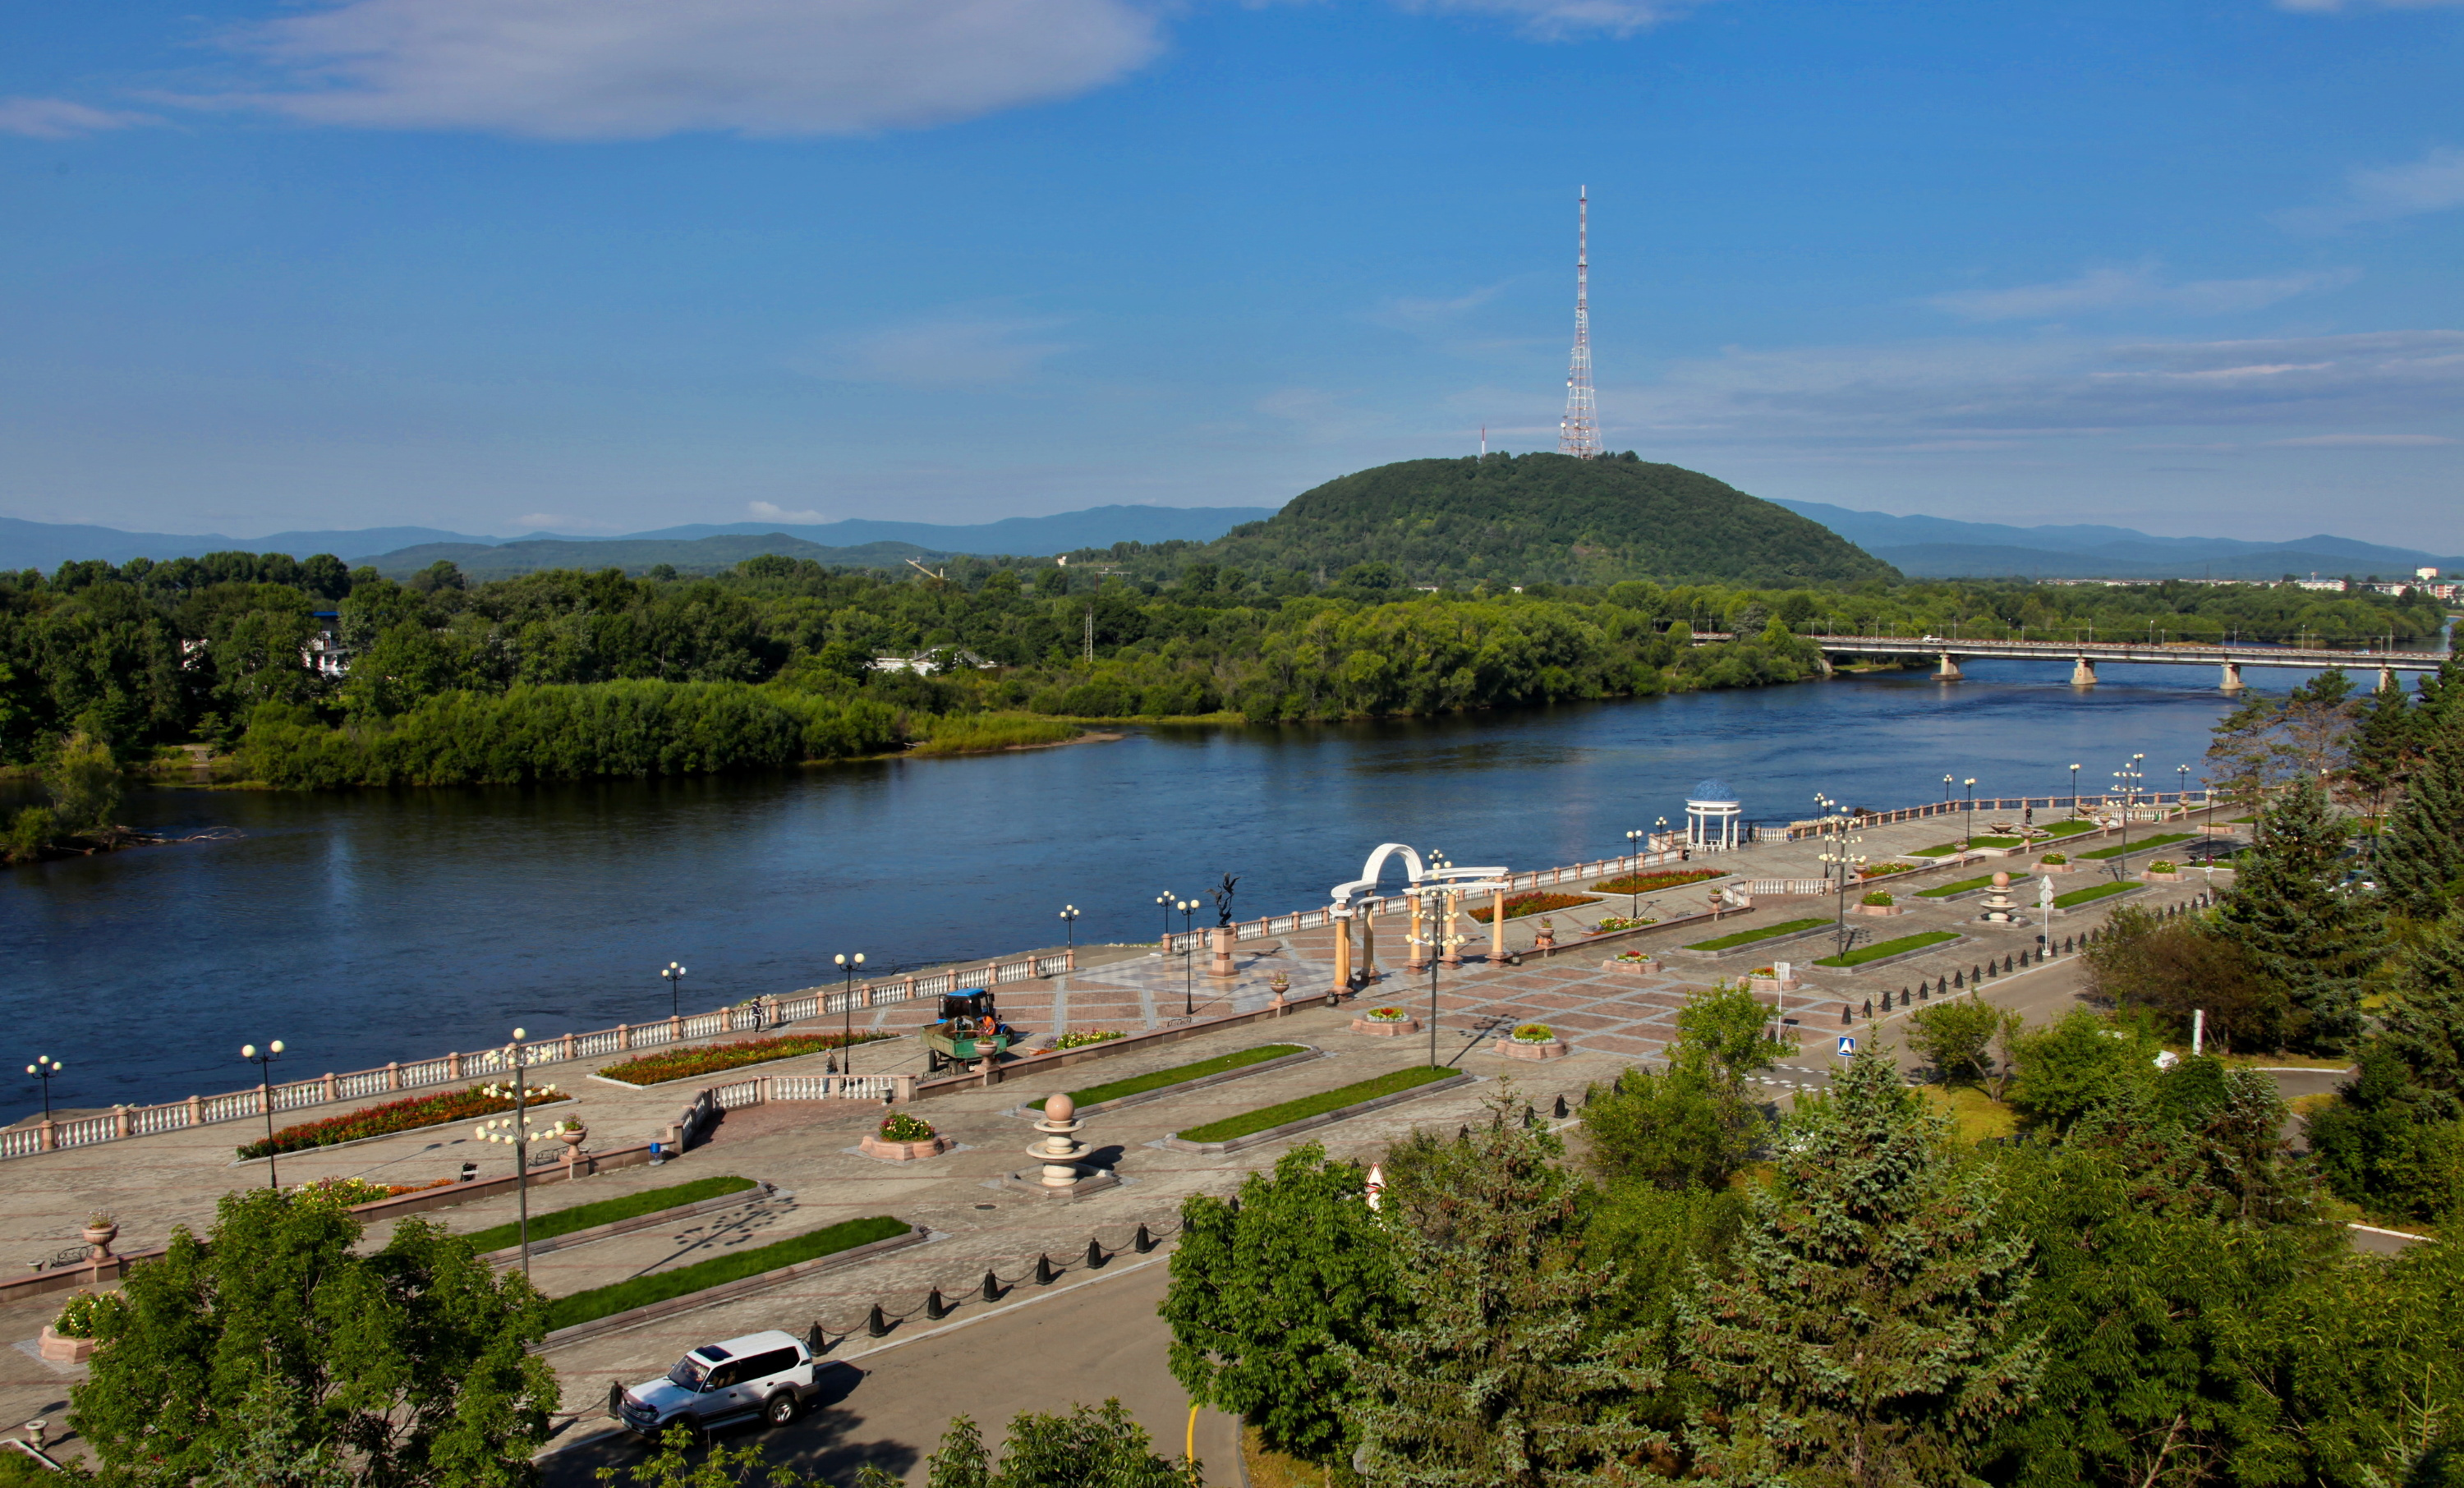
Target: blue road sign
<point x="1847" y="1045"/>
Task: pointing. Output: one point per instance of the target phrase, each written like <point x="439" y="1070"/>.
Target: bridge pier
<point x="1949" y="671"/>
<point x="2082" y="673"/>
<point x="2232" y="677"/>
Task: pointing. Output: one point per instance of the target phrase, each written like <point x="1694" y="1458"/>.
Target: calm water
<point x="360" y="927"/>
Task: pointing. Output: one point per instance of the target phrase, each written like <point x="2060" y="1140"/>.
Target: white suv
<point x="769" y="1374"/>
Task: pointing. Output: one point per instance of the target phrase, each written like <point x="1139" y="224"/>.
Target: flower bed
<point x="1878" y="900"/>
<point x="563" y="1312"/>
<point x="1080" y="1039"/>
<point x="1884" y="869"/>
<point x="650" y="1069"/>
<point x="1614" y="922"/>
<point x="1649" y="883"/>
<point x="1748" y="937"/>
<point x="85" y="1312"/>
<point x="608" y="1211"/>
<point x="344" y="1192"/>
<point x="1518" y="906"/>
<point x="1889" y="948"/>
<point x="2160" y="839"/>
<point x="1318" y="1105"/>
<point x="2164" y="865"/>
<point x="1535" y="1033"/>
<point x="2080" y="896"/>
<point x="377" y="1121"/>
<point x="2055" y="859"/>
<point x="1946" y="891"/>
<point x="1157" y="1080"/>
<point x="899" y="1126"/>
<point x="1385" y="1015"/>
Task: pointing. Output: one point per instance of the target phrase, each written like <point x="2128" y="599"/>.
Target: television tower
<point x="1578" y="432"/>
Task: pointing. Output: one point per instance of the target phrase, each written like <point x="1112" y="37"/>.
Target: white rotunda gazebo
<point x="1712" y="815"/>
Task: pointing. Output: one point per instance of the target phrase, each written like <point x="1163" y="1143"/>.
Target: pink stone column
<point x="393" y="1074"/>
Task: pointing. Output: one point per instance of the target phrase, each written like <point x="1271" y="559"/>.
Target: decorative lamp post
<point x="43" y="1069"/>
<point x="2074" y="798"/>
<point x="1167" y="899"/>
<point x="517" y="1134"/>
<point x="1660" y="828"/>
<point x="2128" y="779"/>
<point x="848" y="966"/>
<point x="1636" y="841"/>
<point x="2181" y="787"/>
<point x="674" y="973"/>
<point x="1947" y="783"/>
<point x="1970" y="840"/>
<point x="1188" y="957"/>
<point x="1069" y="928"/>
<point x="262" y="1059"/>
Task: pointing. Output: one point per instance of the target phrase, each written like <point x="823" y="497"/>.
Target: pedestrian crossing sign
<point x="1847" y="1045"/>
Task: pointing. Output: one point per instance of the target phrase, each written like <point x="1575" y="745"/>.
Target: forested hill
<point x="1544" y="518"/>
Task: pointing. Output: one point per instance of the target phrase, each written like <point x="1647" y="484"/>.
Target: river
<point x="370" y="925"/>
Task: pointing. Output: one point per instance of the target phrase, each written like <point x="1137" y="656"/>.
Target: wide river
<point x="370" y="925"/>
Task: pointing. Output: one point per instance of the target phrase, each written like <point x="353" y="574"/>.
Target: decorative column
<point x="1450" y="939"/>
<point x="1416" y="945"/>
<point x="1223" y="966"/>
<point x="1369" y="943"/>
<point x="1342" y="952"/>
<point x="1497" y="927"/>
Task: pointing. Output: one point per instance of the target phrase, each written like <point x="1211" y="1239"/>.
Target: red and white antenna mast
<point x="1578" y="433"/>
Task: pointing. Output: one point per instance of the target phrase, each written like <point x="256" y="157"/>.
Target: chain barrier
<point x="938" y="1301"/>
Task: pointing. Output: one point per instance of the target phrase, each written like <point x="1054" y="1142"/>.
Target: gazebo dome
<point x="1711" y="791"/>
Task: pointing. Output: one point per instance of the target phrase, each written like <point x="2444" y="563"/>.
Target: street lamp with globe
<point x="848" y="966"/>
<point x="43" y="1069"/>
<point x="262" y="1059"/>
<point x="674" y="973"/>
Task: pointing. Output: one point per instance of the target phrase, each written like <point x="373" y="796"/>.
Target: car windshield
<point x="689" y="1372"/>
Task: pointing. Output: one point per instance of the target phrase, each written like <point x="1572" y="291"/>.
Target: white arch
<point x="1419" y="877"/>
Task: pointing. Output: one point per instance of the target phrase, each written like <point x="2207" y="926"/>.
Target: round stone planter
<point x="2151" y="876"/>
<point x="1378" y="1028"/>
<point x="56" y="1349"/>
<point x="1517" y="1049"/>
<point x="2057" y="868"/>
<point x="903" y="1151"/>
<point x="1648" y="966"/>
<point x="1880" y="909"/>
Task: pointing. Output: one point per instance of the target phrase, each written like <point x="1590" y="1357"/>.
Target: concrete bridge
<point x="2085" y="656"/>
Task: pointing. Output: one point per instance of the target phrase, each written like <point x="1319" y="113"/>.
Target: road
<point x="1079" y="1344"/>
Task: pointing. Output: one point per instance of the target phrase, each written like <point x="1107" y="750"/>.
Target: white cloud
<point x="2139" y="288"/>
<point x="952" y="349"/>
<point x="1559" y="20"/>
<point x="1407" y="313"/>
<point x="2383" y="193"/>
<point x="2338" y="7"/>
<point x="771" y="513"/>
<point x="639" y="69"/>
<point x="59" y="118"/>
<point x="2358" y="442"/>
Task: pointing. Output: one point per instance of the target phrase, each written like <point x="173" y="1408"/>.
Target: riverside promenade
<point x="1610" y="1019"/>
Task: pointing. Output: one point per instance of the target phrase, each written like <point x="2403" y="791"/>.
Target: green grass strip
<point x="2069" y="828"/>
<point x="563" y="1312"/>
<point x="2142" y="846"/>
<point x="1946" y="891"/>
<point x="1943" y="850"/>
<point x="1748" y="937"/>
<point x="2087" y="895"/>
<point x="608" y="1211"/>
<point x="1319" y="1104"/>
<point x="1889" y="948"/>
<point x="1139" y="1084"/>
<point x="1994" y="842"/>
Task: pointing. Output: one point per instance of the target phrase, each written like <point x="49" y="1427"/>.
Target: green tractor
<point x="969" y="1029"/>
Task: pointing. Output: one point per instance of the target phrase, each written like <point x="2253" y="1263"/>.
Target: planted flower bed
<point x="1649" y="883"/>
<point x="2160" y="839"/>
<point x="1889" y="948"/>
<point x="1079" y="1040"/>
<point x="1748" y="937"/>
<point x="1614" y="922"/>
<point x="1518" y="906"/>
<point x="377" y="1121"/>
<point x="650" y="1069"/>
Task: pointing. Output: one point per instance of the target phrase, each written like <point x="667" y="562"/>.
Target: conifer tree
<point x="1864" y="1336"/>
<point x="2289" y="912"/>
<point x="1503" y="1377"/>
<point x="2422" y="1023"/>
<point x="2421" y="852"/>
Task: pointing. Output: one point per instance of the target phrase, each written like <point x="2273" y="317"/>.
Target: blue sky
<point x="604" y="264"/>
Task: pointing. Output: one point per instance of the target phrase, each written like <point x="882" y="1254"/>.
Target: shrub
<point x="1878" y="900"/>
<point x="1386" y="1015"/>
<point x="2161" y="865"/>
<point x="1534" y="1033"/>
<point x="2057" y="857"/>
<point x="899" y="1126"/>
<point x="650" y="1069"/>
<point x="85" y="1314"/>
<point x="983" y="733"/>
<point x="344" y="1192"/>
<point x="377" y="1121"/>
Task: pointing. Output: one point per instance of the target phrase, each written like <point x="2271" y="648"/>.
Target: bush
<point x="984" y="732"/>
<point x="1534" y="1033"/>
<point x="2055" y="858"/>
<point x="899" y="1126"/>
<point x="2163" y="866"/>
<point x="1878" y="900"/>
<point x="30" y="831"/>
<point x="377" y="1121"/>
<point x="650" y="1069"/>
<point x="87" y="1314"/>
<point x="2168" y="969"/>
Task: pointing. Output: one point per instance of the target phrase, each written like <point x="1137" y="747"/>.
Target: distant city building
<point x="927" y="662"/>
<point x="2324" y="585"/>
<point x="2425" y="573"/>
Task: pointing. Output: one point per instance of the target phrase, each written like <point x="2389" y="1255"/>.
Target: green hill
<point x="633" y="555"/>
<point x="1544" y="518"/>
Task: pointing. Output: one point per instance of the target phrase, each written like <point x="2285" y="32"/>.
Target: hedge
<point x="650" y="1069"/>
<point x="1748" y="937"/>
<point x="1318" y="1105"/>
<point x="565" y="1312"/>
<point x="377" y="1121"/>
<point x="1138" y="1084"/>
<point x="608" y="1211"/>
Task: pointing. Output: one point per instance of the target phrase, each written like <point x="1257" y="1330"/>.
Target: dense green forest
<point x="567" y="674"/>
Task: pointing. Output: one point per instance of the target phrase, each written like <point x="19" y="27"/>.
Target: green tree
<point x="1957" y="1037"/>
<point x="84" y="782"/>
<point x="2288" y="910"/>
<point x="2078" y="1064"/>
<point x="1867" y="1335"/>
<point x="2390" y="1145"/>
<point x="2423" y="1021"/>
<point x="2173" y="969"/>
<point x="1273" y="1299"/>
<point x="1505" y="1373"/>
<point x="409" y="1361"/>
<point x="1691" y="1124"/>
<point x="2420" y="858"/>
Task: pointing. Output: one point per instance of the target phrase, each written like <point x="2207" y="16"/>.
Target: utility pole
<point x="1091" y="632"/>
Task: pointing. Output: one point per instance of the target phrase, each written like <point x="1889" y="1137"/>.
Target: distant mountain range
<point x="1935" y="547"/>
<point x="46" y="545"/>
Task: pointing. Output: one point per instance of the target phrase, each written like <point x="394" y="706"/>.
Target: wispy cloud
<point x="1560" y="20"/>
<point x="769" y="512"/>
<point x="60" y="119"/>
<point x="1408" y="313"/>
<point x="639" y="69"/>
<point x="954" y="348"/>
<point x="2137" y="288"/>
<point x="2384" y="193"/>
<point x="2358" y="442"/>
<point x="2339" y="7"/>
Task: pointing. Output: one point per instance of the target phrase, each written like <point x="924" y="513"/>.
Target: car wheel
<point x="781" y="1408"/>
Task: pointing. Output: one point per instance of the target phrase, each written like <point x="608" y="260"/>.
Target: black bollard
<point x="1925" y="990"/>
<point x="992" y="1287"/>
<point x="1529" y="1116"/>
<point x="1957" y="981"/>
<point x="876" y="1326"/>
<point x="1869" y="1010"/>
<point x="1974" y="975"/>
<point x="1559" y="1110"/>
<point x="815" y="1340"/>
<point x="1144" y="1243"/>
<point x="1043" y="1272"/>
<point x="934" y="1307"/>
<point x="2006" y="966"/>
<point x="1095" y="1253"/>
<point x="1847" y="1015"/>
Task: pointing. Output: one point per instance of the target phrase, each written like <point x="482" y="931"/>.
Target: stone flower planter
<point x="1517" y="1049"/>
<point x="904" y="1151"/>
<point x="1381" y="1028"/>
<point x="1648" y="966"/>
<point x="2151" y="876"/>
<point x="1771" y="984"/>
<point x="2057" y="868"/>
<point x="56" y="1349"/>
<point x="1881" y="910"/>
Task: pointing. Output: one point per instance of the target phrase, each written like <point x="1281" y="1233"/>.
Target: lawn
<point x="1889" y="948"/>
<point x="2080" y="896"/>
<point x="1318" y="1105"/>
<point x="563" y="1312"/>
<point x="2160" y="839"/>
<point x="1139" y="1084"/>
<point x="2069" y="828"/>
<point x="608" y="1211"/>
<point x="1749" y="936"/>
<point x="1979" y="1117"/>
<point x="1995" y="842"/>
<point x="1946" y="891"/>
<point x="1943" y="850"/>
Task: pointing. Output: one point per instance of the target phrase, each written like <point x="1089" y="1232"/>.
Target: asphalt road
<point x="1075" y="1346"/>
